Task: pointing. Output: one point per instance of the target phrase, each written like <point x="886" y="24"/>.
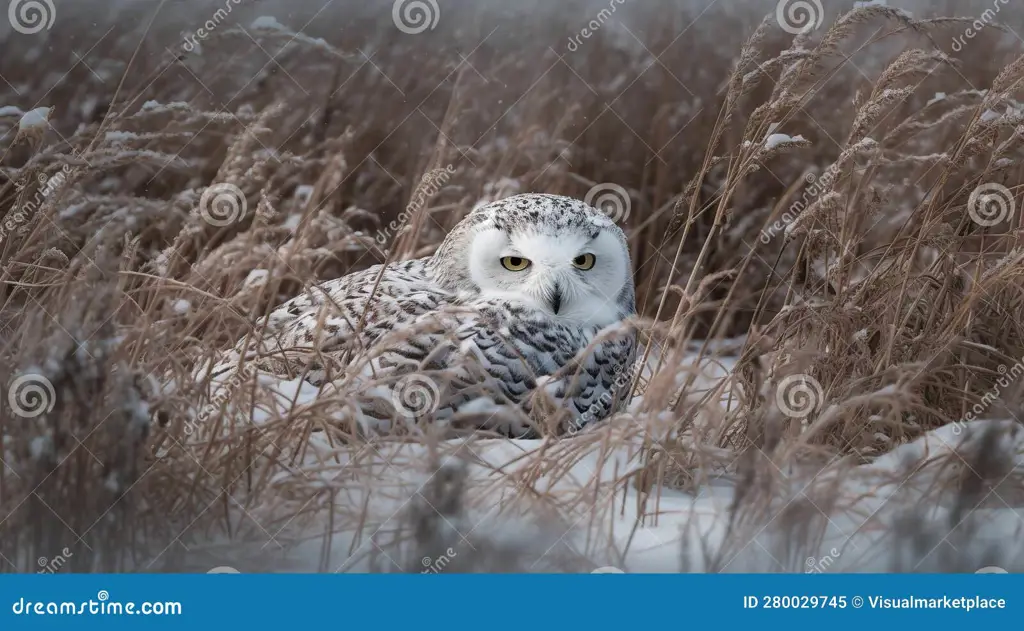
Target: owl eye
<point x="584" y="261"/>
<point x="514" y="263"/>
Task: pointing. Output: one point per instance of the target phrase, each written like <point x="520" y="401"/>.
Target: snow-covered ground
<point x="593" y="501"/>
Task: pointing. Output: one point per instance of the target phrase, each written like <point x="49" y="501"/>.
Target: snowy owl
<point x="526" y="294"/>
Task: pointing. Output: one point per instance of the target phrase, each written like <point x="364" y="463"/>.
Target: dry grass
<point x="879" y="286"/>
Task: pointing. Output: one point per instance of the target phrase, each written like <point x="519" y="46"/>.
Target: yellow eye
<point x="584" y="261"/>
<point x="514" y="263"/>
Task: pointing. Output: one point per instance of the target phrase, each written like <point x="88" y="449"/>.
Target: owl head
<point x="554" y="254"/>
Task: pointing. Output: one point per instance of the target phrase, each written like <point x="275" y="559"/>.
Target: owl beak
<point x="556" y="299"/>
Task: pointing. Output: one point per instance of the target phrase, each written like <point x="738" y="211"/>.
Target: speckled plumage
<point x="474" y="330"/>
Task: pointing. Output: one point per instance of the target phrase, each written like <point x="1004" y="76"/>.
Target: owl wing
<point x="522" y="354"/>
<point x="346" y="314"/>
<point x="594" y="379"/>
<point x="605" y="377"/>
